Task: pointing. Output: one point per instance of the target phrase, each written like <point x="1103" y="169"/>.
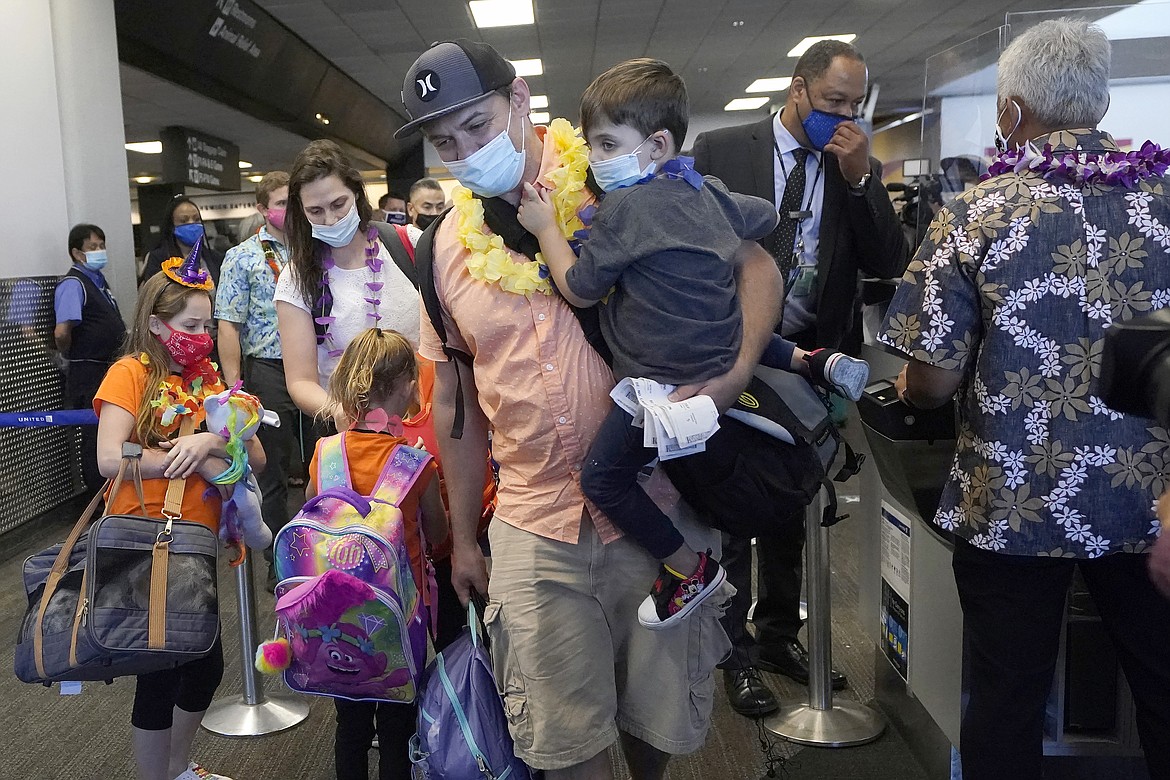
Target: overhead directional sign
<point x="198" y="159"/>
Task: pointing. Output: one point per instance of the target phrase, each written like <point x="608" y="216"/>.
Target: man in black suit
<point x="836" y="220"/>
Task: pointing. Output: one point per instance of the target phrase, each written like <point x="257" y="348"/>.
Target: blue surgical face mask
<point x="493" y="169"/>
<point x="621" y="171"/>
<point x="96" y="260"/>
<point x="189" y="233"/>
<point x="341" y="232"/>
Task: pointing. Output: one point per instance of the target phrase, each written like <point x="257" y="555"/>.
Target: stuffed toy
<point x="236" y="415"/>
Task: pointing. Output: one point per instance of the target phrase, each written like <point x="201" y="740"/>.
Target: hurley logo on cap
<point x="426" y="85"/>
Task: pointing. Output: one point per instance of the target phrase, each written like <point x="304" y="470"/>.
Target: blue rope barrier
<point x="48" y="419"/>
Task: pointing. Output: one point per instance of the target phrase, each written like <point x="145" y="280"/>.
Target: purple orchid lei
<point x="1084" y="167"/>
<point x="374" y="288"/>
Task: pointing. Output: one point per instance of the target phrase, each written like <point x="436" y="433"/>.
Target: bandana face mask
<point x="186" y="349"/>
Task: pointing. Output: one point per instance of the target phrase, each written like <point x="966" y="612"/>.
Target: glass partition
<point x="959" y="102"/>
<point x="958" y="122"/>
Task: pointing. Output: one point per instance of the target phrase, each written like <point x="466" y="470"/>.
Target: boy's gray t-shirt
<point x="666" y="250"/>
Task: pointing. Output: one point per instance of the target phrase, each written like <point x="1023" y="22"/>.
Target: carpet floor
<point x="44" y="734"/>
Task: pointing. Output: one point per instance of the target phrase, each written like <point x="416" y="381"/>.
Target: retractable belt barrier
<point x="824" y="721"/>
<point x="49" y="419"/>
<point x="56" y="417"/>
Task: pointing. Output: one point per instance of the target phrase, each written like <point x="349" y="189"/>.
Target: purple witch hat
<point x="187" y="271"/>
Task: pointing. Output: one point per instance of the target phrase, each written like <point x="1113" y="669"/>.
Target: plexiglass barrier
<point x="959" y="104"/>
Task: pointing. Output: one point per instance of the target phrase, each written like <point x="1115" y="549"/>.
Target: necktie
<point x="781" y="242"/>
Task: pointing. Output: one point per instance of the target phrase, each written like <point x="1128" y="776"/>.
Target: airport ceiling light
<point x="145" y="147"/>
<point x="746" y="104"/>
<point x="533" y="67"/>
<point x="807" y="43"/>
<point x="256" y="178"/>
<point x="143" y="179"/>
<point x="539" y="117"/>
<point x="501" y="13"/>
<point x="245" y="164"/>
<point x="538" y="101"/>
<point x="770" y="85"/>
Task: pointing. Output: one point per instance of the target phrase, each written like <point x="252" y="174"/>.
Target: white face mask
<point x="341" y="232"/>
<point x="1001" y="140"/>
<point x="493" y="169"/>
<point x="621" y="171"/>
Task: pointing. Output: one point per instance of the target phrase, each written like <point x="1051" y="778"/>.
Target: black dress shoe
<point x="790" y="659"/>
<point x="747" y="693"/>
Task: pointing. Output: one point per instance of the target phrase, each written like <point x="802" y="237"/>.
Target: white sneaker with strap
<point x="196" y="772"/>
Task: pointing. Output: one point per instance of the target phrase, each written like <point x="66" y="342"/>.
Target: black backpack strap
<point x="424" y="264"/>
<point x="322" y="307"/>
<point x="853" y="462"/>
<point x="399" y="253"/>
<point x="500" y="217"/>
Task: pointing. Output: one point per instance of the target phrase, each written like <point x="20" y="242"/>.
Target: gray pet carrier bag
<point x="128" y="595"/>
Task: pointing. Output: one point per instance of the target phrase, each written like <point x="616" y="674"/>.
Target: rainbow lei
<point x="176" y="399"/>
<point x="488" y="259"/>
<point x="1076" y="166"/>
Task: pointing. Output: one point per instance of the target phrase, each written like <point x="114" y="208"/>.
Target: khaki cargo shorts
<point x="572" y="662"/>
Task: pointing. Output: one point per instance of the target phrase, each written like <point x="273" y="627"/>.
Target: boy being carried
<point x="659" y="247"/>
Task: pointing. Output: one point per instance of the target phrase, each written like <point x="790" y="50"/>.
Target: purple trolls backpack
<point x="354" y="617"/>
<point x="462" y="730"/>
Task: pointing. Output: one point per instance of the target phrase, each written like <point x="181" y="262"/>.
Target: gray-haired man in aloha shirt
<point x="1007" y="302"/>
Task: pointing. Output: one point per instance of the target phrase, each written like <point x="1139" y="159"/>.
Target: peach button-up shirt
<point x="544" y="390"/>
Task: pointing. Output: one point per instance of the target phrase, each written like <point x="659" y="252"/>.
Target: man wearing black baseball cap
<point x="576" y="667"/>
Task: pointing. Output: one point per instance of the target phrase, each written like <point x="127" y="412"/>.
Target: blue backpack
<point x="462" y="730"/>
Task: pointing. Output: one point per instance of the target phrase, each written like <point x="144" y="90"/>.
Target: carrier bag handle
<point x="346" y="494"/>
<point x="476" y="609"/>
<point x="61" y="562"/>
<point x="156" y="616"/>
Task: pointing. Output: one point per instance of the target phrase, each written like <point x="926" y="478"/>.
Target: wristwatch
<point x="859" y="188"/>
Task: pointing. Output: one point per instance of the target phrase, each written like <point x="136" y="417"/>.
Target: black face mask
<point x="423" y="221"/>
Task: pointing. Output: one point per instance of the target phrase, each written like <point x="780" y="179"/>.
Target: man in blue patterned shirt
<point x="249" y="345"/>
<point x="1006" y="303"/>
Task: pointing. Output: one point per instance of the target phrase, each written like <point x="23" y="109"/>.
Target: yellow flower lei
<point x="488" y="259"/>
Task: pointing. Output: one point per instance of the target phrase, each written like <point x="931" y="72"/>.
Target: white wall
<point x="63" y="138"/>
<point x="34" y="222"/>
<point x="93" y="137"/>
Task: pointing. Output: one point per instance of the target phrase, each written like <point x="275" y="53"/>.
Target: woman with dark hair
<point x="341" y="278"/>
<point x="181" y="228"/>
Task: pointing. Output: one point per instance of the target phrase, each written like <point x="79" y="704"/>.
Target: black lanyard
<point x="806" y="213"/>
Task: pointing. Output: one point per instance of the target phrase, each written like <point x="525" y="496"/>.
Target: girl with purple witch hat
<point x="154" y="397"/>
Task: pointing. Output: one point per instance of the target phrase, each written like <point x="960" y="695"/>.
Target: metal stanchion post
<point x="252" y="714"/>
<point x="822" y="722"/>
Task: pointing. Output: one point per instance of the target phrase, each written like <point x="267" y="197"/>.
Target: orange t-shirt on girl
<point x="367" y="453"/>
<point x="124" y="386"/>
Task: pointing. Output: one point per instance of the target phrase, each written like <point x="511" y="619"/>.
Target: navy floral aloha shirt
<point x="1014" y="286"/>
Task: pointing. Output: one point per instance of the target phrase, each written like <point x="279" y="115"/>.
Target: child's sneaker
<point x="671" y="598"/>
<point x="838" y="372"/>
<point x="196" y="772"/>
